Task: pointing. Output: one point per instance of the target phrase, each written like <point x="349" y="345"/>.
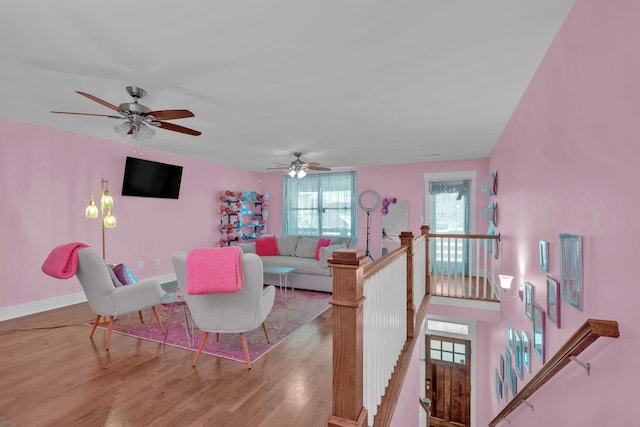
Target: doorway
<point x="448" y="381"/>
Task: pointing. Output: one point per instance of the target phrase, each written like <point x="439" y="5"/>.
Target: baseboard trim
<point x="34" y="307"/>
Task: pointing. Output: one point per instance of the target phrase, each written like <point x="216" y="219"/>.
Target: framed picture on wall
<point x="510" y="336"/>
<point x="505" y="390"/>
<point x="507" y="365"/>
<point x="517" y="345"/>
<point x="543" y="252"/>
<point x="498" y="386"/>
<point x="528" y="299"/>
<point x="553" y="301"/>
<point x="538" y="332"/>
<point x="571" y="269"/>
<point x="501" y="364"/>
<point x="526" y="351"/>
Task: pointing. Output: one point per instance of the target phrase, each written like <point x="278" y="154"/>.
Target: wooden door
<point x="448" y="381"/>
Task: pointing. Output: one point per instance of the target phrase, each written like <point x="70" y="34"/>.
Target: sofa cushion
<point x="266" y="246"/>
<point x="302" y="265"/>
<point x="248" y="248"/>
<point x="327" y="251"/>
<point x="321" y="244"/>
<point x="286" y="245"/>
<point x="306" y="247"/>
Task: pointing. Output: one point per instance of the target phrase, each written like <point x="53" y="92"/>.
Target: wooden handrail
<point x="590" y="331"/>
<point x="373" y="267"/>
<point x="466" y="236"/>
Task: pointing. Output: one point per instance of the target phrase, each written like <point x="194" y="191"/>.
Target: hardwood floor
<point x="60" y="377"/>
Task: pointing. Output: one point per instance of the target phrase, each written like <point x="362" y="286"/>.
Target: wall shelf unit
<point x="243" y="216"/>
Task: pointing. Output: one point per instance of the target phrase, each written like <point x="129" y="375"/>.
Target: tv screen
<point x="145" y="178"/>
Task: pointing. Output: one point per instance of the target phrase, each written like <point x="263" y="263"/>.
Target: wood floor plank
<point x="59" y="376"/>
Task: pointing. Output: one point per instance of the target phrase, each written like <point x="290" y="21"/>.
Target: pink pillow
<point x="321" y="244"/>
<point x="267" y="246"/>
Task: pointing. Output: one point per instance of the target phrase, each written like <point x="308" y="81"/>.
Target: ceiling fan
<point x="298" y="168"/>
<point x="139" y="119"/>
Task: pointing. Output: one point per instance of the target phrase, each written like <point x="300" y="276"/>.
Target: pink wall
<point x="405" y="182"/>
<point x="569" y="161"/>
<point x="46" y="176"/>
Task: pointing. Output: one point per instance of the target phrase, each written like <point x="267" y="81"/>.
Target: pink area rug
<point x="285" y="318"/>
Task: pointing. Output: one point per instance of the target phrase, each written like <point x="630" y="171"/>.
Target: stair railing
<point x="590" y="331"/>
<point x="463" y="265"/>
<point x="374" y="315"/>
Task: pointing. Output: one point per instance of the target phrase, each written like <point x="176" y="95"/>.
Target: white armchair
<point x="236" y="312"/>
<point x="109" y="300"/>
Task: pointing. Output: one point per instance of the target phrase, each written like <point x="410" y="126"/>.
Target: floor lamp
<point x="106" y="203"/>
<point x="106" y="221"/>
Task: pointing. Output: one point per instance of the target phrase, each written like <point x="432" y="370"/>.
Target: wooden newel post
<point x="425" y="232"/>
<point x="406" y="240"/>
<point x="348" y="298"/>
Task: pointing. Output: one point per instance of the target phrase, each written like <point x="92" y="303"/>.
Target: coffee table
<point x="173" y="300"/>
<point x="281" y="272"/>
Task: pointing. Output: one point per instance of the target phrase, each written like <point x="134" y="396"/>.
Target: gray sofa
<point x="298" y="252"/>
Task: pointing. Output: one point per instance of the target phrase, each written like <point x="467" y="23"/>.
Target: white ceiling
<point x="346" y="82"/>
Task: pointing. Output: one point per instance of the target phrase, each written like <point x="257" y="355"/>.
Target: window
<point x="320" y="205"/>
<point x="450" y="206"/>
<point x="448" y="327"/>
<point x="449" y="203"/>
<point x="448" y="351"/>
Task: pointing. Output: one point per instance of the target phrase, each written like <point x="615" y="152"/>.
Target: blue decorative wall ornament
<point x="490" y="213"/>
<point x="490" y="185"/>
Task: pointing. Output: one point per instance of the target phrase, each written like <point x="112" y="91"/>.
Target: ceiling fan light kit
<point x="298" y="168"/>
<point x="140" y="119"/>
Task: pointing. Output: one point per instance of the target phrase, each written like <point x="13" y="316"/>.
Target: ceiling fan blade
<point x="311" y="164"/>
<point x="170" y="114"/>
<point x="286" y="167"/>
<point x="100" y="101"/>
<point x="281" y="164"/>
<point x="87" y="114"/>
<point x="318" y="168"/>
<point x="178" y="128"/>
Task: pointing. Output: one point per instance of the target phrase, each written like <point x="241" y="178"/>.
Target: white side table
<point x="281" y="272"/>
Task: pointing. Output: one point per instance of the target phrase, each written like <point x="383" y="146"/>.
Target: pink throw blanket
<point x="62" y="261"/>
<point x="214" y="270"/>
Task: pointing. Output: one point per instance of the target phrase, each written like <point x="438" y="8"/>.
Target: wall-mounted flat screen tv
<point x="146" y="178"/>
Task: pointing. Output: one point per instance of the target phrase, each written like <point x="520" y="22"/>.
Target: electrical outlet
<point x="140" y="264"/>
<point x="157" y="261"/>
